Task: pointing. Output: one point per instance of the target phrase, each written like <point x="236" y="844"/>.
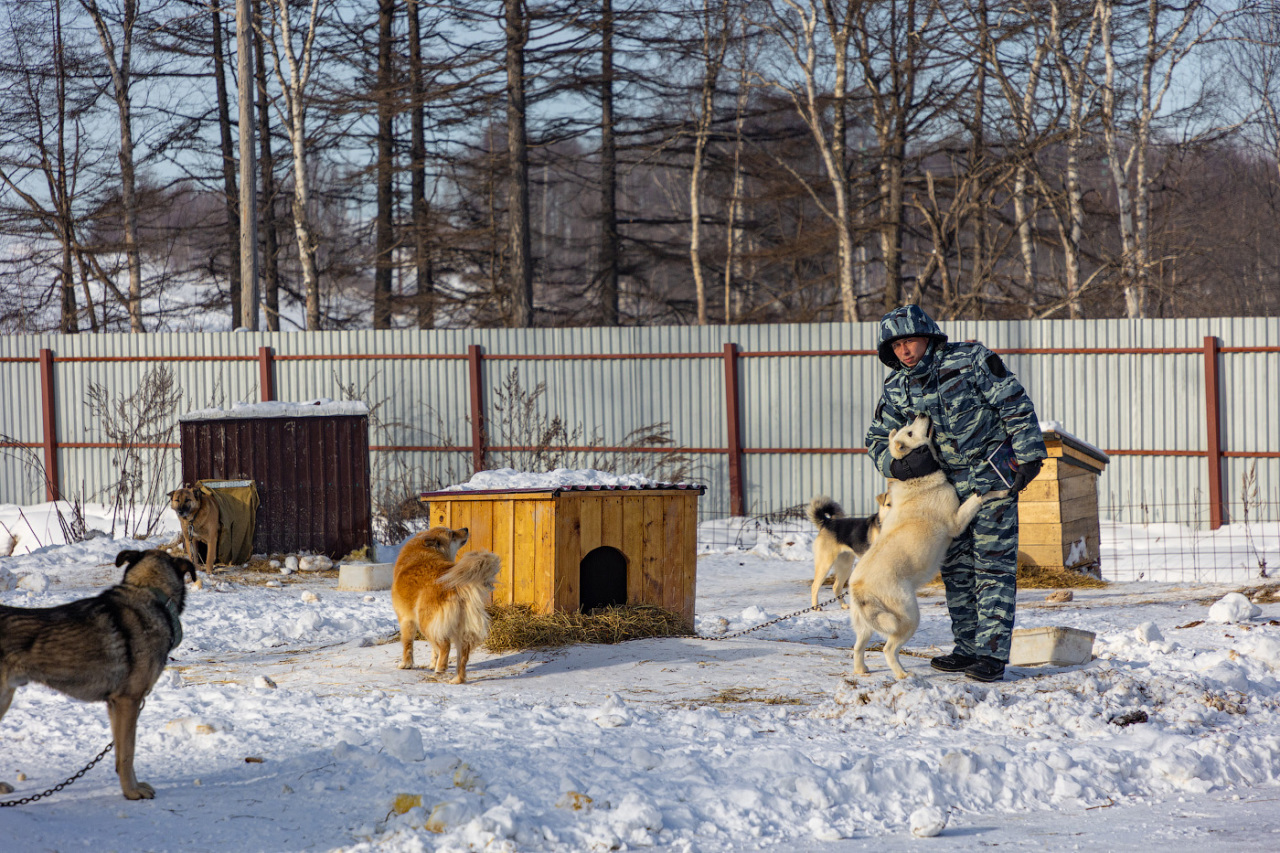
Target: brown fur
<point x="441" y="597"/>
<point x="110" y="648"/>
<point x="198" y="517"/>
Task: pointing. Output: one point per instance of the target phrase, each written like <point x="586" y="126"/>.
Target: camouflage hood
<point x="905" y="322"/>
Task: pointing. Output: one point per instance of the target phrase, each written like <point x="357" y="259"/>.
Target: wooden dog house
<point x="1058" y="525"/>
<point x="575" y="548"/>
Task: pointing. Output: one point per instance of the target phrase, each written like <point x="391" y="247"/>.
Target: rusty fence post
<point x="267" y="374"/>
<point x="1213" y="434"/>
<point x="48" y="412"/>
<point x="475" y="358"/>
<point x="733" y="410"/>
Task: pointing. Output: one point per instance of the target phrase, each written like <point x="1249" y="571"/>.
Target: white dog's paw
<point x="995" y="496"/>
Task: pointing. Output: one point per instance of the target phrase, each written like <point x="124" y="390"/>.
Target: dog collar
<point x="170" y="610"/>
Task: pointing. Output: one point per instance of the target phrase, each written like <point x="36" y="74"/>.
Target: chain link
<point x="813" y="609"/>
<point x="56" y="788"/>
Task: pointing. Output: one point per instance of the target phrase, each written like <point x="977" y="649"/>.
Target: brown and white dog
<point x="442" y="597"/>
<point x="198" y="517"/>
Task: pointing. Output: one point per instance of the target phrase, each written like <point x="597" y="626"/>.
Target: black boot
<point x="954" y="662"/>
<point x="985" y="669"/>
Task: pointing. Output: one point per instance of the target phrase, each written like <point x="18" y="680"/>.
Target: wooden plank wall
<point x="542" y="541"/>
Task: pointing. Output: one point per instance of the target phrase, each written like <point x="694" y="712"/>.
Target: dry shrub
<point x="516" y="626"/>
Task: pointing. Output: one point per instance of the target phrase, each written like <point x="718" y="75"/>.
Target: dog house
<point x="1058" y="523"/>
<point x="576" y="548"/>
<point x="308" y="461"/>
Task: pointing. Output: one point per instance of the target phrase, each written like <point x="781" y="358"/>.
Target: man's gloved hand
<point x="917" y="463"/>
<point x="1026" y="472"/>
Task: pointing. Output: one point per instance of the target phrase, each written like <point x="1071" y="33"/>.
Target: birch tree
<point x="115" y="28"/>
<point x="817" y="36"/>
<point x="715" y="25"/>
<point x="293" y="53"/>
<point x="1133" y="102"/>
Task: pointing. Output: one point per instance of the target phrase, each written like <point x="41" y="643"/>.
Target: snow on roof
<point x="1054" y="426"/>
<point x="561" y="479"/>
<point x="309" y="409"/>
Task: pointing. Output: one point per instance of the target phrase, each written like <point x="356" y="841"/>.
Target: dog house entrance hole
<point x="603" y="579"/>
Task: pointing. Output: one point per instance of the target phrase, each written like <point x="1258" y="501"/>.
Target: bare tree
<point x="715" y="22"/>
<point x="1133" y="102"/>
<point x="115" y="28"/>
<point x="819" y="35"/>
<point x="293" y="54"/>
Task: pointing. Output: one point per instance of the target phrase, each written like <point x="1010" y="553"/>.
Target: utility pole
<point x="248" y="169"/>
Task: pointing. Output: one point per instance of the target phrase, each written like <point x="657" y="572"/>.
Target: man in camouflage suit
<point x="977" y="406"/>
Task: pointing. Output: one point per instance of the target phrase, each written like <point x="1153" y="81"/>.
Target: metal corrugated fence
<point x="807" y="392"/>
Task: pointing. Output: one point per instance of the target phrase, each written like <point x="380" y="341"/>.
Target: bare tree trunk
<point x="68" y="323"/>
<point x="293" y="66"/>
<point x="230" y="193"/>
<point x="121" y="69"/>
<point x="608" y="273"/>
<point x="733" y="218"/>
<point x="267" y="169"/>
<point x="812" y="106"/>
<point x="714" y="46"/>
<point x="519" y="262"/>
<point x="1073" y="68"/>
<point x="425" y="292"/>
<point x="383" y="239"/>
<point x="249" y="296"/>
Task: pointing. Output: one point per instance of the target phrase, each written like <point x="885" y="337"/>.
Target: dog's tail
<point x="474" y="568"/>
<point x="822" y="510"/>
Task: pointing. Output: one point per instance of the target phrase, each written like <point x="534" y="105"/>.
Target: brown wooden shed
<point x="309" y="462"/>
<point x="1058" y="524"/>
<point x="575" y="548"/>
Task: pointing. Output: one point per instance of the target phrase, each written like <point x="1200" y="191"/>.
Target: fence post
<point x="1213" y="434"/>
<point x="49" y="415"/>
<point x="732" y="409"/>
<point x="267" y="374"/>
<point x="474" y="358"/>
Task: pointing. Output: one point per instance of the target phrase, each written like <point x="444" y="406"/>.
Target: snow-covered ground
<point x="716" y="743"/>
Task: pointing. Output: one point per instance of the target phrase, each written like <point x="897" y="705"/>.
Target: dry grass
<point x="1037" y="577"/>
<point x="741" y="695"/>
<point x="516" y="626"/>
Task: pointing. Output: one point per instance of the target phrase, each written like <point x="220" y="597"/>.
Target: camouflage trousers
<point x="981" y="576"/>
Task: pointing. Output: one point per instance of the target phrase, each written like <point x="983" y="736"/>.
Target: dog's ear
<point x="882" y="499"/>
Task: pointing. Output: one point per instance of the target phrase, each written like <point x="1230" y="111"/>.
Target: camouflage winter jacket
<point x="975" y="402"/>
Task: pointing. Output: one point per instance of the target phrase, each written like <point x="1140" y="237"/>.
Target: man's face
<point x="909" y="351"/>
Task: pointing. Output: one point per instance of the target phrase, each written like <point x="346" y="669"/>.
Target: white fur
<point x="913" y="541"/>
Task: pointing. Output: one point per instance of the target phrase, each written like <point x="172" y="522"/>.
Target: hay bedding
<point x="515" y="627"/>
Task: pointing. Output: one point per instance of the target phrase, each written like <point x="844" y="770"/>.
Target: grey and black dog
<point x="110" y="648"/>
<point x="840" y="541"/>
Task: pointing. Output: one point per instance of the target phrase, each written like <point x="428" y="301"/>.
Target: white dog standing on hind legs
<point x="926" y="515"/>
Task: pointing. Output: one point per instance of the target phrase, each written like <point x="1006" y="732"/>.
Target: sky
<point x="283" y="723"/>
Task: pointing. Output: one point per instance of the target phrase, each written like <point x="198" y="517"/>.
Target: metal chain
<point x="871" y="648"/>
<point x="56" y="788"/>
<point x="816" y="607"/>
